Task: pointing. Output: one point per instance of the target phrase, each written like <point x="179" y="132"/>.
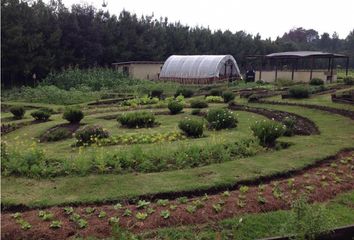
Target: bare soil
<point x="320" y="183"/>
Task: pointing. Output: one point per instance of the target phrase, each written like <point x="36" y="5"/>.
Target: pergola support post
<point x="347" y="67"/>
<point x="312" y="63"/>
<point x="276" y="70"/>
<point x="332" y="66"/>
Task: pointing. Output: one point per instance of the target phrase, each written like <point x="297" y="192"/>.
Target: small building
<point x="200" y="69"/>
<point x="148" y="70"/>
<point x="299" y="66"/>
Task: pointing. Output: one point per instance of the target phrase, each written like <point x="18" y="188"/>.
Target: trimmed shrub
<point x="214" y="99"/>
<point x="299" y="92"/>
<point x="18" y="111"/>
<point x="175" y="107"/>
<point x="267" y="132"/>
<point x="191" y="127"/>
<point x="185" y="92"/>
<point x="198" y="103"/>
<point x="196" y="111"/>
<point x="48" y="110"/>
<point x="137" y="119"/>
<point x="156" y="93"/>
<point x="215" y="92"/>
<point x="73" y="115"/>
<point x="56" y="135"/>
<point x="228" y="96"/>
<point x="221" y="119"/>
<point x="90" y="134"/>
<point x="348" y="80"/>
<point x="316" y="81"/>
<point x="289" y="123"/>
<point x="41" y="115"/>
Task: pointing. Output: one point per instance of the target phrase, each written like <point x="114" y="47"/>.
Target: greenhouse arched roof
<point x="199" y="66"/>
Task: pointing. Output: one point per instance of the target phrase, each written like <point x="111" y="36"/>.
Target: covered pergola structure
<point x="299" y="66"/>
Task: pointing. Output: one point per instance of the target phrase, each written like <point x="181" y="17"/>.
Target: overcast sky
<point x="270" y="18"/>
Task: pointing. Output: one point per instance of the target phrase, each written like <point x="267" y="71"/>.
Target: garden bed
<point x="303" y="126"/>
<point x="344" y="97"/>
<point x="68" y="128"/>
<point x="320" y="183"/>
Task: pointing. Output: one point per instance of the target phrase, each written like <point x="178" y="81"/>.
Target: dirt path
<point x="320" y="183"/>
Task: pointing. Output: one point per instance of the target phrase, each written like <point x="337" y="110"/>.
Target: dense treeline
<point x="38" y="38"/>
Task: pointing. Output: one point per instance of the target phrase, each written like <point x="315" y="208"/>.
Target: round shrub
<point x="196" y="111"/>
<point x="137" y="119"/>
<point x="73" y="115"/>
<point x="215" y="92"/>
<point x="18" y="111"/>
<point x="41" y="115"/>
<point x="299" y="92"/>
<point x="191" y="127"/>
<point x="198" y="103"/>
<point x="175" y="107"/>
<point x="48" y="110"/>
<point x="228" y="96"/>
<point x="90" y="134"/>
<point x="156" y="93"/>
<point x="221" y="119"/>
<point x="56" y="135"/>
<point x="185" y="92"/>
<point x="214" y="99"/>
<point x="289" y="123"/>
<point x="348" y="80"/>
<point x="316" y="81"/>
<point x="267" y="132"/>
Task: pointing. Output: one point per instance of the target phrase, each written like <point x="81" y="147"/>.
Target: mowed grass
<point x="255" y="226"/>
<point x="337" y="133"/>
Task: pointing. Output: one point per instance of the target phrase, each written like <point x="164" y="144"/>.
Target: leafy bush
<point x="18" y="111"/>
<point x="137" y="119"/>
<point x="156" y="93"/>
<point x="316" y="81"/>
<point x="41" y="115"/>
<point x="196" y="111"/>
<point x="56" y="134"/>
<point x="191" y="127"/>
<point x="289" y="123"/>
<point x="90" y="134"/>
<point x="228" y="96"/>
<point x="198" y="103"/>
<point x="308" y="221"/>
<point x="215" y="92"/>
<point x="145" y="100"/>
<point x="284" y="82"/>
<point x="214" y="99"/>
<point x="299" y="91"/>
<point x="267" y="131"/>
<point x="185" y="92"/>
<point x="175" y="107"/>
<point x="221" y="118"/>
<point x="48" y="110"/>
<point x="348" y="80"/>
<point x="73" y="115"/>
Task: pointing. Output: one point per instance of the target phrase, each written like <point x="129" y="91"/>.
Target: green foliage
<point x="90" y="210"/>
<point x="90" y="134"/>
<point x="113" y="220"/>
<point x="45" y="215"/>
<point x="18" y="111"/>
<point x="162" y="202"/>
<point x="55" y="224"/>
<point x="221" y="118"/>
<point x="24" y="224"/>
<point x="142" y="204"/>
<point x="56" y="134"/>
<point x="117" y="206"/>
<point x="215" y="92"/>
<point x="306" y="221"/>
<point x="41" y="115"/>
<point x="196" y="111"/>
<point x="137" y="119"/>
<point x="127" y="213"/>
<point x="16" y="215"/>
<point x="191" y="209"/>
<point x="73" y="115"/>
<point x="284" y="82"/>
<point x="191" y="127"/>
<point x="217" y="207"/>
<point x="175" y="107"/>
<point x="182" y="200"/>
<point x="214" y="99"/>
<point x="165" y="214"/>
<point x="158" y="93"/>
<point x="144" y="100"/>
<point x="316" y="81"/>
<point x="185" y="92"/>
<point x="102" y="214"/>
<point x="267" y="132"/>
<point x="199" y="103"/>
<point x="348" y="80"/>
<point x="289" y="123"/>
<point x="141" y="216"/>
<point x="68" y="210"/>
<point x="228" y="96"/>
<point x="299" y="91"/>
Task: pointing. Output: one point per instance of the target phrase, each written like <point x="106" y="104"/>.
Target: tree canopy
<point x="38" y="38"/>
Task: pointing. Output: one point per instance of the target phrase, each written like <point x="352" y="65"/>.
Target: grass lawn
<point x="337" y="133"/>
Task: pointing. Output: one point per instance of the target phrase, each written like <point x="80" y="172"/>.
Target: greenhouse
<point x="200" y="69"/>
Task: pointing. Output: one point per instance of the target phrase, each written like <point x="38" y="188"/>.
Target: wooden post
<point x="276" y="70"/>
<point x="332" y="63"/>
<point x="347" y="67"/>
<point x="292" y="70"/>
<point x="260" y="71"/>
<point x="312" y="63"/>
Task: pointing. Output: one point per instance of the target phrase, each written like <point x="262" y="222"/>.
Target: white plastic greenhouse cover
<point x="198" y="66"/>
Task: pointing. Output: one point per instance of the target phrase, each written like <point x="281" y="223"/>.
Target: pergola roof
<point x="305" y="54"/>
